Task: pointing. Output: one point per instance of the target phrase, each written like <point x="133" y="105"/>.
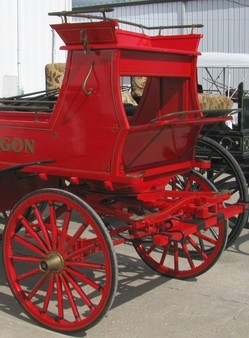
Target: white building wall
<point x="26" y="43"/>
<point x="226" y="23"/>
<point x="226" y="27"/>
<point x="26" y="37"/>
<point x="8" y="39"/>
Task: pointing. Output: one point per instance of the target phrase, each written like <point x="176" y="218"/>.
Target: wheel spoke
<point x="187" y="253"/>
<point x="49" y="293"/>
<point x="197" y="248"/>
<point x="206" y="238"/>
<point x="53" y="225"/>
<point x="37" y="286"/>
<point x="28" y="245"/>
<point x="80" y="291"/>
<point x="75" y="237"/>
<point x="86" y="265"/>
<point x="59" y="297"/>
<point x="85" y="279"/>
<point x="42" y="226"/>
<point x="28" y="274"/>
<point x="148" y="251"/>
<point x="70" y="298"/>
<point x="214" y="233"/>
<point x="33" y="233"/>
<point x="176" y="257"/>
<point x="64" y="232"/>
<point x="164" y="254"/>
<point x="201" y="244"/>
<point x="29" y="259"/>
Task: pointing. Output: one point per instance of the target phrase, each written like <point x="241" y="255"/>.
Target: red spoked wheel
<point x="186" y="253"/>
<point x="61" y="266"/>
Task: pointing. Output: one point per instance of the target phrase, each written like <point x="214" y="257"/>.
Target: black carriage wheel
<point x="226" y="175"/>
<point x="194" y="251"/>
<point x="61" y="266"/>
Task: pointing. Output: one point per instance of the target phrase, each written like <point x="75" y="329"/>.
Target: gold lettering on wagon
<point x="17" y="145"/>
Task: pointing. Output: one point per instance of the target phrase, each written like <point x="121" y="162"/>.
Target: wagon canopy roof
<point x="223" y="60"/>
<point x="107" y="34"/>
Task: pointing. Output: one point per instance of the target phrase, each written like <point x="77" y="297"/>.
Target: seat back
<point x="54" y="73"/>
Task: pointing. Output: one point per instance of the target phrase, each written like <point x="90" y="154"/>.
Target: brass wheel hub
<point x="53" y="263"/>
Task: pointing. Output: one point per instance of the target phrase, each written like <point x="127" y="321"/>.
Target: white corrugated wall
<point x="26" y="43"/>
<point x="8" y="42"/>
<point x="26" y="37"/>
<point x="226" y="26"/>
<point x="226" y="23"/>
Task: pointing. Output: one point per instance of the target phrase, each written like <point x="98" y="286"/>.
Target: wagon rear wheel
<point x="193" y="252"/>
<point x="61" y="266"/>
<point x="226" y="175"/>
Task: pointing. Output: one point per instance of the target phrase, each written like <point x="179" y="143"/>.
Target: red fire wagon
<point x="82" y="172"/>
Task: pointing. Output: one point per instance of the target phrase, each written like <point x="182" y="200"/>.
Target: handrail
<point x="180" y="114"/>
<point x="85" y="14"/>
<point x="78" y="13"/>
<point x="17" y="102"/>
<point x="25" y="108"/>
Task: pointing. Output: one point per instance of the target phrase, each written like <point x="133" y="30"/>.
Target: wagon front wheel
<point x="193" y="250"/>
<point x="61" y="265"/>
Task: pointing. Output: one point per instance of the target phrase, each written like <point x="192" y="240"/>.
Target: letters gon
<point x="17" y="145"/>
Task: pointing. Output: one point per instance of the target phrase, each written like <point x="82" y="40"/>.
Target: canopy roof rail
<point x="85" y="14"/>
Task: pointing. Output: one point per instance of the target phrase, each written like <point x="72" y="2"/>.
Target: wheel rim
<point x="226" y="174"/>
<point x="194" y="252"/>
<point x="62" y="266"/>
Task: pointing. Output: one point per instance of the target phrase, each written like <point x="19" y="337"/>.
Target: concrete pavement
<point x="216" y="304"/>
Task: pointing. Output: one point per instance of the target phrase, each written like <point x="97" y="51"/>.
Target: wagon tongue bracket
<point x="208" y="221"/>
<point x="201" y="218"/>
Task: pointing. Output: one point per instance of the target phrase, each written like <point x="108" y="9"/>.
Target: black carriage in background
<point x="235" y="138"/>
<point x="227" y="145"/>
